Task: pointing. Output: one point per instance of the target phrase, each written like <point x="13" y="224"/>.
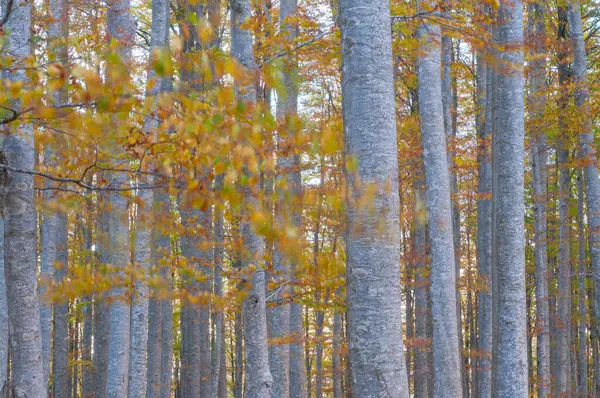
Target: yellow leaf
<point x="219" y="168"/>
<point x="205" y="31"/>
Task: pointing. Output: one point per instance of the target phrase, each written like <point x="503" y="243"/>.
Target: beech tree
<point x="509" y="357"/>
<point x="446" y="351"/>
<point x="373" y="253"/>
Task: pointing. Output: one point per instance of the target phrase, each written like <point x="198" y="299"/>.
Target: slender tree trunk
<point x="121" y="28"/>
<point x="539" y="154"/>
<point x="219" y="254"/>
<point x="484" y="225"/>
<point x="448" y="102"/>
<point x="422" y="370"/>
<point x="101" y="325"/>
<point x="337" y="358"/>
<point x="61" y="314"/>
<point x="509" y="357"/>
<point x="307" y="353"/>
<point x="287" y="107"/>
<point x="87" y="382"/>
<point x="139" y="358"/>
<point x="27" y="375"/>
<point x="166" y="352"/>
<point x="319" y="314"/>
<point x="58" y="33"/>
<point x="100" y="360"/>
<point x="375" y="342"/>
<point x="239" y="356"/>
<point x="563" y="308"/>
<point x="563" y="341"/>
<point x="581" y="278"/>
<point x="3" y="316"/>
<point x="446" y="349"/>
<point x="48" y="232"/>
<point x="258" y="380"/>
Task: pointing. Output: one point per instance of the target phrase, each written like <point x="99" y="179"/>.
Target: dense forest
<point x="299" y="198"/>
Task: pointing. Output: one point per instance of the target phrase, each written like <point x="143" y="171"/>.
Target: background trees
<point x="299" y="198"/>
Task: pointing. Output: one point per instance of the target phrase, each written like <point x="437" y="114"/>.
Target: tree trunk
<point x="121" y="28"/>
<point x="239" y="356"/>
<point x="448" y="102"/>
<point x="60" y="360"/>
<point x="140" y="341"/>
<point x="27" y="375"/>
<point x="509" y="357"/>
<point x="563" y="308"/>
<point x="539" y="155"/>
<point x="337" y="358"/>
<point x="258" y="380"/>
<point x="220" y="379"/>
<point x="48" y="232"/>
<point x="166" y="351"/>
<point x="581" y="278"/>
<point x="422" y="370"/>
<point x="287" y="107"/>
<point x="101" y="316"/>
<point x="375" y="342"/>
<point x="446" y="349"/>
<point x="3" y="316"/>
<point x="484" y="225"/>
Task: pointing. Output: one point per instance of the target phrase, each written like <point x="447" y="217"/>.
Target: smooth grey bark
<point x="373" y="298"/>
<point x="297" y="368"/>
<point x="447" y="373"/>
<point x="48" y="237"/>
<point x="509" y="356"/>
<point x="336" y="360"/>
<point x="286" y="362"/>
<point x="3" y="316"/>
<point x="539" y="155"/>
<point x="139" y="348"/>
<point x="449" y="106"/>
<point x="586" y="141"/>
<point x="154" y="347"/>
<point x="258" y="380"/>
<point x="87" y="382"/>
<point x="307" y="354"/>
<point x="581" y="279"/>
<point x="484" y="224"/>
<point x="220" y="378"/>
<point x="239" y="356"/>
<point x="101" y="314"/>
<point x="20" y="235"/>
<point x="564" y="272"/>
<point x="121" y="28"/>
<point x="563" y="296"/>
<point x="57" y="33"/>
<point x="286" y="213"/>
<point x="60" y="360"/>
<point x="138" y="338"/>
<point x="422" y="370"/>
<point x="166" y="366"/>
